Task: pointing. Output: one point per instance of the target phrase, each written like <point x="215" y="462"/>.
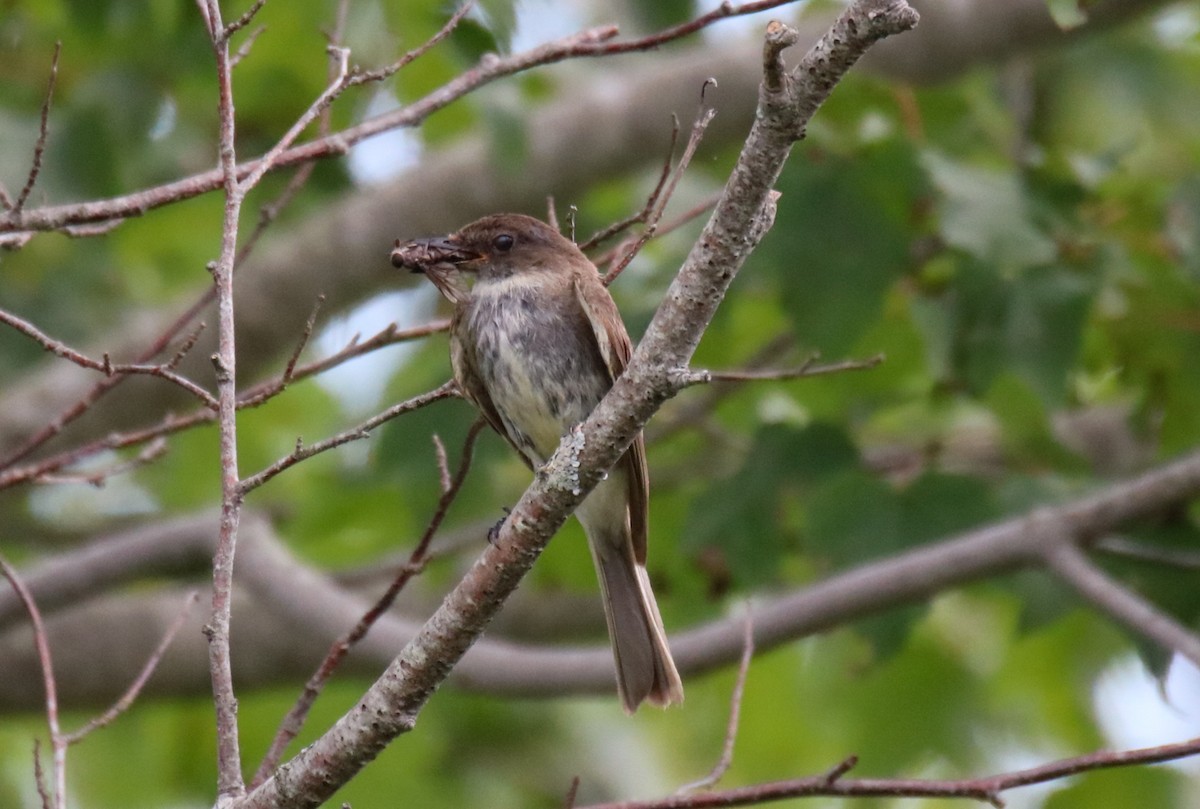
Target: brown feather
<point x="613" y="342"/>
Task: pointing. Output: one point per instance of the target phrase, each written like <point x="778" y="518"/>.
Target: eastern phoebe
<point x="535" y="343"/>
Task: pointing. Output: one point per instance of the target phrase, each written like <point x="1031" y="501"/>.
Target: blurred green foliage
<point x="1011" y="270"/>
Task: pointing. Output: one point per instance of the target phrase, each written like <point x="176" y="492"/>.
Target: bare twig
<point x="338" y="82"/>
<point x="306" y="335"/>
<point x="302" y="452"/>
<point x="807" y="368"/>
<point x="251" y="397"/>
<point x="39" y="148"/>
<point x="244" y="49"/>
<point x="390" y="335"/>
<point x="244" y="20"/>
<point x="662" y="194"/>
<point x="150" y="453"/>
<point x="986" y="790"/>
<point x="705" y="205"/>
<point x="107" y="366"/>
<point x="363" y="77"/>
<point x="443" y="463"/>
<point x="694" y="410"/>
<point x="572" y="791"/>
<point x="57" y="795"/>
<point x="1070" y="564"/>
<point x="735" y="709"/>
<point x="641" y="216"/>
<point x="291" y="725"/>
<point x="39" y="777"/>
<point x="122" y="704"/>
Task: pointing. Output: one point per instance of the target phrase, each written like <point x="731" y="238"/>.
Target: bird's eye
<point x="503" y="242"/>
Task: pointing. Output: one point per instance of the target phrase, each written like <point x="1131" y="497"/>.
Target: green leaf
<point x="661" y="13"/>
<point x="741" y="517"/>
<point x="853" y="516"/>
<point x="985" y="212"/>
<point x="842" y="241"/>
<point x="1030" y="324"/>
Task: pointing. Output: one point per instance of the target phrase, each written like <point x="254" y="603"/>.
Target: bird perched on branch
<point x="536" y="342"/>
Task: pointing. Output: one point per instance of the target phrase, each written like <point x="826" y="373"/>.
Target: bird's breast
<point x="534" y="355"/>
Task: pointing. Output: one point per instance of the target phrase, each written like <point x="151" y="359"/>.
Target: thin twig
<point x="302" y="452"/>
<point x="443" y="463"/>
<point x="365" y="76"/>
<point x="735" y="709"/>
<point x="985" y="790"/>
<point x="150" y="453"/>
<point x="663" y="194"/>
<point x="291" y="725"/>
<point x="572" y="791"/>
<point x="251" y="397"/>
<point x="641" y="216"/>
<point x="244" y="49"/>
<point x="58" y="795"/>
<point x="807" y="369"/>
<point x="267" y="215"/>
<point x="389" y="335"/>
<point x="39" y="147"/>
<point x="244" y="20"/>
<point x="695" y="410"/>
<point x="39" y="776"/>
<point x="122" y="704"/>
<point x="306" y="335"/>
<point x="106" y="366"/>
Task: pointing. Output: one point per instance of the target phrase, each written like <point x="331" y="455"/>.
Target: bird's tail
<point x="645" y="670"/>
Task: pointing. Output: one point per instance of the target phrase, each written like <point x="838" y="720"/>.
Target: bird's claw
<point x="493" y="534"/>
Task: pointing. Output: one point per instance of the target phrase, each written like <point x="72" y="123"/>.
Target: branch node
<point x="841" y="768"/>
<point x="780" y="36"/>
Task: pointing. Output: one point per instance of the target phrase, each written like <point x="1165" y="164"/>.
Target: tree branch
<point x="980" y="789"/>
<point x="1071" y="565"/>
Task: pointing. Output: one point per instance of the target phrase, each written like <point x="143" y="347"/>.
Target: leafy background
<point x="1023" y="243"/>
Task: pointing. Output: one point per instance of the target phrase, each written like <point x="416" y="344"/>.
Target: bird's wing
<point x="613" y="342"/>
<point x="466" y="374"/>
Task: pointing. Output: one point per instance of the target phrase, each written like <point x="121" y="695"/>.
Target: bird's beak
<point x="419" y="255"/>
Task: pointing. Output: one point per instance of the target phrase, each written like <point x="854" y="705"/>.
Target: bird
<point x="536" y="341"/>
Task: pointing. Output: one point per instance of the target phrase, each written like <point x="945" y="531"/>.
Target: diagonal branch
<point x="39" y="148"/>
<point x="1072" y="565"/>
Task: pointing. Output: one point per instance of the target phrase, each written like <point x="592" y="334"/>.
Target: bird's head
<point x="494" y="247"/>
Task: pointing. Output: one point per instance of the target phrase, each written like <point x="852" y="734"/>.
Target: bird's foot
<point x="493" y="534"/>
